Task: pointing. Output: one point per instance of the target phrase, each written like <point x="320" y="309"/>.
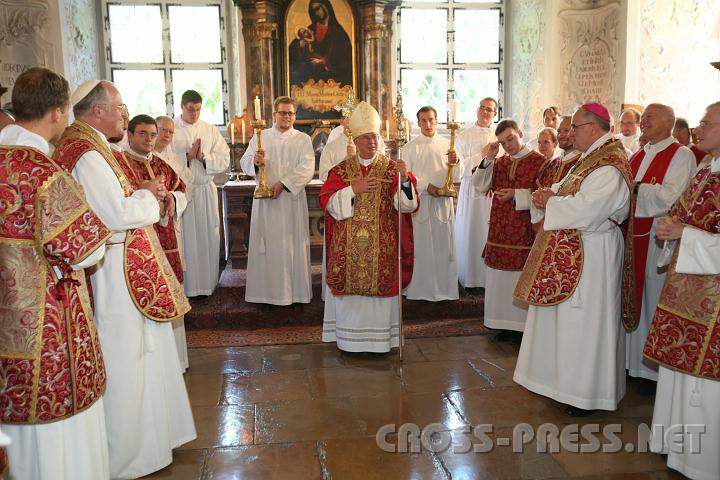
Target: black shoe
<point x="572" y="411"/>
<point x="647" y="387"/>
<point x="516" y="338"/>
<point x="504" y="336"/>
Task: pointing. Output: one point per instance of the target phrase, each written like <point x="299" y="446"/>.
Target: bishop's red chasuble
<point x="555" y="263"/>
<point x="362" y="254"/>
<point x="140" y="169"/>
<point x="50" y="358"/>
<point x="510" y="235"/>
<point x="642" y="226"/>
<point x="153" y="286"/>
<point x="685" y="333"/>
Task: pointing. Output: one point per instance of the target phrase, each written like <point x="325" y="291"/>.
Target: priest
<point x="473" y="208"/>
<point x="684" y="337"/>
<point x="278" y="267"/>
<point x="206" y="154"/>
<point x="510" y="177"/>
<point x="53" y="375"/>
<point x="361" y="226"/>
<point x="435" y="276"/>
<point x="573" y="349"/>
<point x="135" y="291"/>
<point x="662" y="170"/>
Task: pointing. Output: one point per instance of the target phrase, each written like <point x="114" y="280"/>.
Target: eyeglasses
<point x="285" y="113"/>
<point x="166" y="130"/>
<point x="486" y="109"/>
<point x="705" y="124"/>
<point x="122" y="107"/>
<point x="193" y="110"/>
<point x="574" y="127"/>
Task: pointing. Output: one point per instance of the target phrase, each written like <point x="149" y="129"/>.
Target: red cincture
<point x="641" y="240"/>
<point x="510" y="234"/>
<point x="685" y="333"/>
<point x="150" y="279"/>
<point x="51" y="363"/>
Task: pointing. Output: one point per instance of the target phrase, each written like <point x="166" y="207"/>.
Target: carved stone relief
<point x="589" y="51"/>
<point x="80" y="41"/>
<point x="527" y="62"/>
<point x="678" y="39"/>
<point x="28" y="38"/>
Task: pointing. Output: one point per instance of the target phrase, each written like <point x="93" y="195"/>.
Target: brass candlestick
<point x="448" y="189"/>
<point x="346" y="108"/>
<point x="262" y="191"/>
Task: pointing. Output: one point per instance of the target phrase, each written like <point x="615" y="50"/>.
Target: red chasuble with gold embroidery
<point x="685" y="333"/>
<point x="510" y="234"/>
<point x="153" y="286"/>
<point x="555" y="170"/>
<point x="140" y="169"/>
<point x="50" y="356"/>
<point x="362" y="253"/>
<point x="553" y="268"/>
<point x="641" y="239"/>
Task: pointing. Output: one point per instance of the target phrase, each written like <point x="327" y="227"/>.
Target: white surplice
<point x="360" y="323"/>
<point x="147" y="411"/>
<point x="278" y="265"/>
<point x="631" y="142"/>
<point x="201" y="222"/>
<point x="501" y="309"/>
<point x="435" y="276"/>
<point x="574" y="352"/>
<point x="653" y="202"/>
<point x="683" y="399"/>
<point x="74" y="448"/>
<point x="183" y="171"/>
<point x="473" y="209"/>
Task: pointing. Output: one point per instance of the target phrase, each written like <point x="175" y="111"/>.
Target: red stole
<point x="362" y="256"/>
<point x="555" y="170"/>
<point x="510" y="234"/>
<point x="139" y="170"/>
<point x="50" y="358"/>
<point x="685" y="333"/>
<point x="553" y="268"/>
<point x="155" y="290"/>
<point x="641" y="239"/>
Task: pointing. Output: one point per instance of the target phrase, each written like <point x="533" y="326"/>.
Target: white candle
<point x="258" y="111"/>
<point x="387" y="129"/>
<point x="232" y="133"/>
<point x="243" y="131"/>
<point x="453" y="109"/>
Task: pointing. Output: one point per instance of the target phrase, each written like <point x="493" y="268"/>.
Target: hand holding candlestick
<point x="262" y="191"/>
<point x="448" y="189"/>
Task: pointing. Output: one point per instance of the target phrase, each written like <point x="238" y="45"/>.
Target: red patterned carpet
<point x="226" y="320"/>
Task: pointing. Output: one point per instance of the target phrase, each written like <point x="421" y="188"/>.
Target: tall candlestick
<point x="258" y="110"/>
<point x="243" y="131"/>
<point x="232" y="133"/>
<point x="408" y="127"/>
<point x="387" y="129"/>
<point x="453" y="109"/>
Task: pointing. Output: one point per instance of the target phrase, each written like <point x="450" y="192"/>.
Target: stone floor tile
<point x="305" y="420"/>
<point x="411" y="353"/>
<point x="497" y="371"/>
<point x="419" y="409"/>
<point x="362" y="459"/>
<point x="204" y="389"/>
<point x="458" y="348"/>
<point x="354" y="381"/>
<point x="262" y="387"/>
<point x="282" y="358"/>
<point x="441" y="376"/>
<point x="290" y="461"/>
<point x="222" y="426"/>
<point x="224" y="360"/>
<point x="186" y="465"/>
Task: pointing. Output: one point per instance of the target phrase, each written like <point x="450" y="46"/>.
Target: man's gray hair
<point x="95" y="96"/>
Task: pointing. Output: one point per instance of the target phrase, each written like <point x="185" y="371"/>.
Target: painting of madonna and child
<point x="320" y="56"/>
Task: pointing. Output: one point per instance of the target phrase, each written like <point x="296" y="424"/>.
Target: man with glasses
<point x="662" y="170"/>
<point x="278" y="266"/>
<point x="473" y="208"/>
<point x="684" y="337"/>
<point x="573" y="348"/>
<point x="136" y="294"/>
<point x="206" y="154"/>
<point x="510" y="177"/>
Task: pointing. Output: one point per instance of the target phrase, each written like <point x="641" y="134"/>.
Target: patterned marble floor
<point x="308" y="412"/>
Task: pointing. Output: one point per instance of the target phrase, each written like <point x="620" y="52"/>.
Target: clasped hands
<point x="541" y="196"/>
<point x="669" y="228"/>
<point x="156" y="186"/>
<point x="195" y="151"/>
<point x="370" y="184"/>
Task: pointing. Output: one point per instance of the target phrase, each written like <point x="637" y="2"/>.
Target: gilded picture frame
<point x="320" y="66"/>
